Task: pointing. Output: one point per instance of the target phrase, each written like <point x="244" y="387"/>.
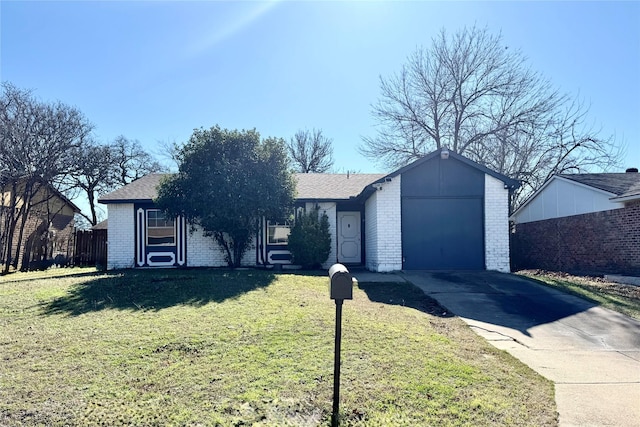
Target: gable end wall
<point x="562" y="198"/>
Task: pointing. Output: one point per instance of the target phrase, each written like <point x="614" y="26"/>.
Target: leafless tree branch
<point x="311" y="151"/>
<point x="471" y="93"/>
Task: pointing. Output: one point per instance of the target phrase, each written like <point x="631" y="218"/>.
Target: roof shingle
<point x="617" y="183"/>
<point x="319" y="186"/>
<point x="316" y="186"/>
<point x="142" y="189"/>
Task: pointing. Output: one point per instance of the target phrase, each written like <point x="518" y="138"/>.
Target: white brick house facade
<point x="441" y="212"/>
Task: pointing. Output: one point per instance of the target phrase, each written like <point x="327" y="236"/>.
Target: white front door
<point x="349" y="238"/>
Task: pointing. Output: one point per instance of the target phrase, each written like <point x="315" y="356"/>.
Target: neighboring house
<point x="441" y="212"/>
<point x="46" y="237"/>
<point x="588" y="223"/>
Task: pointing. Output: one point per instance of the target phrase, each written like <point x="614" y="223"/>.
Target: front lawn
<point x="230" y="348"/>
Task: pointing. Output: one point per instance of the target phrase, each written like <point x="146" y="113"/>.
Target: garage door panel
<point x="442" y="234"/>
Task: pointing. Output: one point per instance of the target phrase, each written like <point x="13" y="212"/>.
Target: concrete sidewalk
<point x="590" y="353"/>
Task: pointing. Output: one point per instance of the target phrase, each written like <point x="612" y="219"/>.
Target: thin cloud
<point x="229" y="29"/>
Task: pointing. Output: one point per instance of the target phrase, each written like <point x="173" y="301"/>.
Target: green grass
<point x="622" y="298"/>
<point x="231" y="348"/>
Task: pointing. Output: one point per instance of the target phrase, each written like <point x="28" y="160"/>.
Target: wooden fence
<point x="91" y="248"/>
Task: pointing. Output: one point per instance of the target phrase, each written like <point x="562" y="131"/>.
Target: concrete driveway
<point x="590" y="353"/>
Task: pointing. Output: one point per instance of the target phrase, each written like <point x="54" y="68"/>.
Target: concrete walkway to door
<point x="591" y="354"/>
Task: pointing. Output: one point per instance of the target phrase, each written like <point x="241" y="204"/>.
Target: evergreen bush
<point x="310" y="240"/>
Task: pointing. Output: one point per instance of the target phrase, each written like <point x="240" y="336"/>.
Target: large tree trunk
<point x="23" y="218"/>
<point x="10" y="228"/>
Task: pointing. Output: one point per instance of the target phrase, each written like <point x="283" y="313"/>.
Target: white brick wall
<point x="383" y="221"/>
<point x="496" y="224"/>
<point x="203" y="251"/>
<point x="371" y="231"/>
<point x="120" y="236"/>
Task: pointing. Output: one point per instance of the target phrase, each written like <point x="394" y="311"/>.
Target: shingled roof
<point x="620" y="184"/>
<point x="141" y="190"/>
<point x="310" y="186"/>
<point x="321" y="186"/>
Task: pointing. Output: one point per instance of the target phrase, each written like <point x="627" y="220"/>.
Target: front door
<point x="349" y="238"/>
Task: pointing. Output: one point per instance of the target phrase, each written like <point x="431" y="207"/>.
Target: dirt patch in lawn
<point x="616" y="296"/>
<point x="596" y="282"/>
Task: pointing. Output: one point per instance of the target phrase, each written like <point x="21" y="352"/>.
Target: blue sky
<point x="155" y="70"/>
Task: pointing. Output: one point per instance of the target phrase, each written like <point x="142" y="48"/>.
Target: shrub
<point x="310" y="240"/>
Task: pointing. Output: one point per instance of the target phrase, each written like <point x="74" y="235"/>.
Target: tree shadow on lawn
<point x="155" y="290"/>
<point x="404" y="294"/>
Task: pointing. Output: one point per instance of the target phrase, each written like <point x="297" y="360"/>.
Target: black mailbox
<point x="340" y="282"/>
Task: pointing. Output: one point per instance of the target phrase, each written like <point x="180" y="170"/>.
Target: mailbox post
<point x="340" y="288"/>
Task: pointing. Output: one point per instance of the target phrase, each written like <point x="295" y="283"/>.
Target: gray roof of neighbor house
<point x="310" y="186"/>
<point x="632" y="192"/>
<point x="621" y="184"/>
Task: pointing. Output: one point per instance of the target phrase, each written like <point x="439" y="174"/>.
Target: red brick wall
<point x="600" y="242"/>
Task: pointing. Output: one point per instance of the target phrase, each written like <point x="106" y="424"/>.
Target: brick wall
<point x="384" y="245"/>
<point x="371" y="232"/>
<point x="600" y="242"/>
<point x="120" y="236"/>
<point x="496" y="224"/>
<point x="45" y="243"/>
<point x="203" y="251"/>
<point x="47" y="237"/>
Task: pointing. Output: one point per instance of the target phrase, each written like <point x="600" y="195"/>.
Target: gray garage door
<point x="442" y="233"/>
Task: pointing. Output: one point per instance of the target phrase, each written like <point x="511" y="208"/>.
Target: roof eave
<point x="511" y="184"/>
<point x="623" y="198"/>
<point x="123" y="201"/>
<point x="322" y="200"/>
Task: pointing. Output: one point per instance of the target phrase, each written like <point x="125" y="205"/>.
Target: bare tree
<point x="38" y="142"/>
<point x="104" y="167"/>
<point x="94" y="175"/>
<point x="472" y="94"/>
<point x="311" y="151"/>
<point x="131" y="161"/>
<point x="169" y="151"/>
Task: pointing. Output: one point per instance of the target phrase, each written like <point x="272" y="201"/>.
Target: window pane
<point x="278" y="234"/>
<point x="160" y="236"/>
<point x="160" y="231"/>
